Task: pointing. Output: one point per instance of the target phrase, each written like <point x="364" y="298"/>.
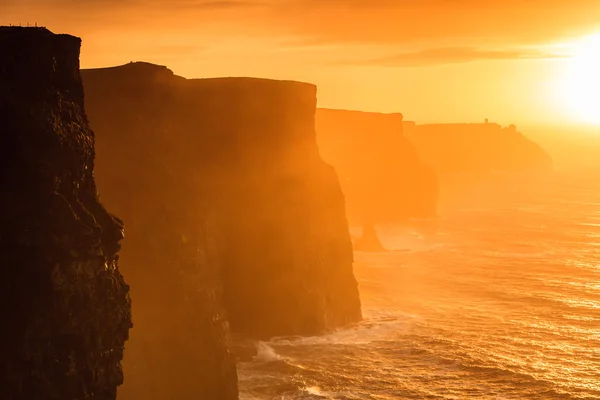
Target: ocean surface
<point x="497" y="299"/>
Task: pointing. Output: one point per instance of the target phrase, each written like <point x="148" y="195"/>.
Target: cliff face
<point x="287" y="255"/>
<point x="64" y="307"/>
<point x="477" y="148"/>
<point x="237" y="158"/>
<point x="381" y="173"/>
<point x="179" y="347"/>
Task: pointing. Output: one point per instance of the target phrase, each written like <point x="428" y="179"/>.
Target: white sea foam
<point x="266" y="353"/>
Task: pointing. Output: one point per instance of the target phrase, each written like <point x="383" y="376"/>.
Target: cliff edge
<point x="381" y="173"/>
<point x="65" y="308"/>
<point x="287" y="255"/>
<point x="477" y="147"/>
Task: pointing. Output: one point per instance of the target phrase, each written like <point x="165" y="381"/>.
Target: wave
<point x="266" y="353"/>
<point x="495" y="302"/>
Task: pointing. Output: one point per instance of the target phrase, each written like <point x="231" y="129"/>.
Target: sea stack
<point x="369" y="242"/>
<point x="245" y="149"/>
<point x="382" y="176"/>
<point x="65" y="308"/>
<point x="148" y="171"/>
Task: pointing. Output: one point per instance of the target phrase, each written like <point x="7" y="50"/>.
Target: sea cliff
<point x="147" y="169"/>
<point x="230" y="168"/>
<point x="65" y="308"/>
<point x="287" y="256"/>
<point x="382" y="175"/>
<point x="477" y="147"/>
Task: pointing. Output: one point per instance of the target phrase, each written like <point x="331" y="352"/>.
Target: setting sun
<point x="582" y="84"/>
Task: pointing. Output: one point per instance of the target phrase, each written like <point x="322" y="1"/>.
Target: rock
<point x="287" y="255"/>
<point x="484" y="147"/>
<point x="244" y="348"/>
<point x="65" y="308"/>
<point x="381" y="173"/>
<point x="369" y="242"/>
<point x="283" y="245"/>
<point x="148" y="171"/>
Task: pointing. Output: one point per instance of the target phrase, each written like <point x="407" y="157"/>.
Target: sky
<point x="433" y="60"/>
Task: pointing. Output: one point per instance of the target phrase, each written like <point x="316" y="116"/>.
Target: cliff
<point x="238" y="157"/>
<point x="287" y="255"/>
<point x="179" y="347"/>
<point x="65" y="309"/>
<point x="477" y="148"/>
<point x="381" y="173"/>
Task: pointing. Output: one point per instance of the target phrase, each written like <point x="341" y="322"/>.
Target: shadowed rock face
<point x="64" y="307"/>
<point x="284" y="251"/>
<point x="477" y="148"/>
<point x="147" y="169"/>
<point x="381" y="173"/>
<point x="287" y="254"/>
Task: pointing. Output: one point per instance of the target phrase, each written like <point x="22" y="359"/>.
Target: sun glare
<point x="582" y="84"/>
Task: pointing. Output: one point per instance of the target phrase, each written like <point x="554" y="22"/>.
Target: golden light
<point x="581" y="89"/>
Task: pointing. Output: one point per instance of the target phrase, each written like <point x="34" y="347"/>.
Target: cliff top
<point x="30" y="32"/>
<point x="34" y="60"/>
<point x="132" y="73"/>
<point x="249" y="82"/>
<point x="473" y="125"/>
<point x="141" y="70"/>
<point x="344" y="122"/>
<point x="133" y="66"/>
<point x="357" y="113"/>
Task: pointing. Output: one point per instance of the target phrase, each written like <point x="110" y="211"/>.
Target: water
<point x="500" y="300"/>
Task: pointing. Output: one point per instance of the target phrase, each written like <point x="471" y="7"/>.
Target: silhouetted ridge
<point x="65" y="309"/>
<point x="381" y="173"/>
<point x="477" y="148"/>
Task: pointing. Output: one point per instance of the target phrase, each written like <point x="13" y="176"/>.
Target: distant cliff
<point x="477" y="148"/>
<point x="238" y="157"/>
<point x="64" y="307"/>
<point x="381" y="173"/>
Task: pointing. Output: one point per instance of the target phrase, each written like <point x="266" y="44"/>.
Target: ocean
<point x="499" y="298"/>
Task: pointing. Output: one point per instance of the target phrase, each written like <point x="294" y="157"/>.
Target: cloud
<point x="449" y="55"/>
<point x="437" y="22"/>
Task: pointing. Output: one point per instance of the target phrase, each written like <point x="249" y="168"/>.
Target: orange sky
<point x="433" y="60"/>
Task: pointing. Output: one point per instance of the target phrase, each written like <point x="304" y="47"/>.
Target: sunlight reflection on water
<point x="487" y="305"/>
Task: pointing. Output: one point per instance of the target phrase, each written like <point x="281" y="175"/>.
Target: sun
<point x="581" y="89"/>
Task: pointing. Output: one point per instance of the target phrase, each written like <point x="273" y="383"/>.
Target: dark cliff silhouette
<point x="273" y="211"/>
<point x="382" y="175"/>
<point x="148" y="171"/>
<point x="481" y="147"/>
<point x="65" y="309"/>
